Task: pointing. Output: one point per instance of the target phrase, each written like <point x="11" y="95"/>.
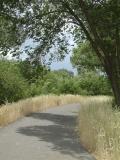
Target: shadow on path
<point x="60" y="133"/>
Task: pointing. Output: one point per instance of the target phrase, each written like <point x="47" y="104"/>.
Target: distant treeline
<point x="22" y="79"/>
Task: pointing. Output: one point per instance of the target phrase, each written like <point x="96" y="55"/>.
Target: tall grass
<point x="11" y="112"/>
<point x="99" y="128"/>
<point x="98" y="124"/>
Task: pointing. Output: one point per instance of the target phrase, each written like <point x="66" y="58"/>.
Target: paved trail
<point x="43" y="136"/>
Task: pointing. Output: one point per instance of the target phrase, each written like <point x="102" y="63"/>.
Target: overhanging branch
<point x="81" y="24"/>
<point x="97" y="38"/>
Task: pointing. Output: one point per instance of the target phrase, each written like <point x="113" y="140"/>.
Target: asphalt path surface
<point x="48" y="135"/>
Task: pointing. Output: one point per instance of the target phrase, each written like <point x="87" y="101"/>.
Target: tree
<point x="64" y="73"/>
<point x="91" y="75"/>
<point x="12" y="85"/>
<point x="62" y="82"/>
<point x="32" y="71"/>
<point x="12" y="25"/>
<point x="56" y="82"/>
<point x="93" y="83"/>
<point x="84" y="59"/>
<point x="96" y="20"/>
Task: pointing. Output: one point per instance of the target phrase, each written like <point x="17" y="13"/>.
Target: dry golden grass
<point x="11" y="112"/>
<point x="98" y="124"/>
<point x="99" y="128"/>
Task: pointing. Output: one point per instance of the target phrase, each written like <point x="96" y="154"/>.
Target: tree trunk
<point x="115" y="83"/>
<point x="108" y="53"/>
<point x="113" y="71"/>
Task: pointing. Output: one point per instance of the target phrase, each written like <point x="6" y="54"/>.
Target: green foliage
<point x="12" y="85"/>
<point x="53" y="81"/>
<point x="84" y="58"/>
<point x="46" y="23"/>
<point x="15" y="85"/>
<point x="58" y="82"/>
<point x="94" y="84"/>
<point x="31" y="71"/>
<point x="92" y="77"/>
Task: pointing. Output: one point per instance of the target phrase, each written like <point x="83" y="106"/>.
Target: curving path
<point x="47" y="135"/>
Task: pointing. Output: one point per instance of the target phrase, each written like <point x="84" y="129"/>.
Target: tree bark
<point x="115" y="83"/>
<point x="113" y="72"/>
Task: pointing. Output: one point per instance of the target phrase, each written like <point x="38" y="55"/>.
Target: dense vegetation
<point x="21" y="79"/>
<point x="12" y="83"/>
<point x="46" y="23"/>
<point x="18" y="83"/>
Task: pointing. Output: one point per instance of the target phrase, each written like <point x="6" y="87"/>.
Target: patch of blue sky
<point x="55" y="65"/>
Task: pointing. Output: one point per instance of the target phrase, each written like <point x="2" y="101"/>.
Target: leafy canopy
<point x="45" y="21"/>
<point x="84" y="58"/>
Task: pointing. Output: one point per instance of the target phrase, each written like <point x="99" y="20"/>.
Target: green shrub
<point x="12" y="85"/>
<point x="94" y="84"/>
<point x="89" y="83"/>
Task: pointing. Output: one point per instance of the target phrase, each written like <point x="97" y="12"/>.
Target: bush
<point x="89" y="83"/>
<point x="12" y="85"/>
<point x="93" y="84"/>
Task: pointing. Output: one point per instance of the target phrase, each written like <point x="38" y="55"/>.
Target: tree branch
<point x="92" y="27"/>
<point x="81" y="24"/>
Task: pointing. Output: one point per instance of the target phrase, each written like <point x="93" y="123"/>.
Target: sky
<point x="65" y="64"/>
<point x="56" y="65"/>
